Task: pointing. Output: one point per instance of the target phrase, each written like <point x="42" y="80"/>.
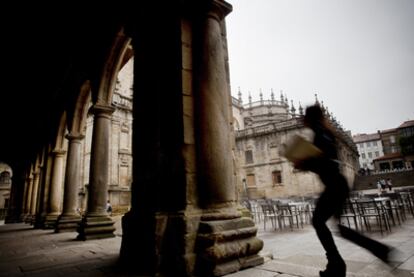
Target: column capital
<point x="217" y="9"/>
<point x="74" y="136"/>
<point x="58" y="152"/>
<point x="102" y="110"/>
<point x="220" y="8"/>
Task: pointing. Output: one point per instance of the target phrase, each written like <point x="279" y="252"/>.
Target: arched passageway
<point x="184" y="217"/>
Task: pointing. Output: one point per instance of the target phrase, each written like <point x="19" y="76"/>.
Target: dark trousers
<point x="330" y="204"/>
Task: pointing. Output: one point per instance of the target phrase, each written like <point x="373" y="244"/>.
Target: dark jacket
<point x="326" y="164"/>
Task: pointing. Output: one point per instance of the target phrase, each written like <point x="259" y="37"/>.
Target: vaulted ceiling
<point x="44" y="48"/>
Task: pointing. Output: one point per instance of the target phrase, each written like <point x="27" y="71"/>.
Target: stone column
<point x="70" y="217"/>
<point x="24" y="200"/>
<point x="213" y="114"/>
<point x="34" y="196"/>
<point x="227" y="242"/>
<point x="55" y="191"/>
<point x="97" y="223"/>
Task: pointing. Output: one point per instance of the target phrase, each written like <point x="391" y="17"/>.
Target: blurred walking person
<point x="330" y="202"/>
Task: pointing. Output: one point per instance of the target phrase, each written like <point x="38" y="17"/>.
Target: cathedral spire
<point x="272" y="95"/>
<point x="316" y="99"/>
<point x="261" y="96"/>
<point x="240" y="96"/>
<point x="292" y="109"/>
<point x="281" y="97"/>
<point x="300" y="109"/>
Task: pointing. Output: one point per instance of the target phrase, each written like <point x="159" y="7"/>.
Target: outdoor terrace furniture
<point x="370" y="210"/>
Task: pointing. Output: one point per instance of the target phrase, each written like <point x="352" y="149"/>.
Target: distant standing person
<point x="331" y="201"/>
<point x="389" y="184"/>
<point x="379" y="187"/>
<point x="109" y="208"/>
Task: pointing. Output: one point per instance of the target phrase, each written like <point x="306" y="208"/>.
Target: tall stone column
<point x="213" y="114"/>
<point x="55" y="191"/>
<point x="24" y="200"/>
<point x="227" y="242"/>
<point x="34" y="196"/>
<point x="97" y="223"/>
<point x="70" y="217"/>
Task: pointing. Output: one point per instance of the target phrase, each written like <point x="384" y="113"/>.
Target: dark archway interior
<point x="44" y="48"/>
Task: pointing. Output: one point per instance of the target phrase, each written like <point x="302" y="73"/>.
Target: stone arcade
<point x="184" y="219"/>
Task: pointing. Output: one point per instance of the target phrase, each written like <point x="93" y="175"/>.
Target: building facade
<point x="398" y="148"/>
<point x="369" y="148"/>
<point x="263" y="128"/>
<point x="6" y="175"/>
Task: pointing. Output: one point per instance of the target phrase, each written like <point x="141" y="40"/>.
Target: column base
<point x="12" y="217"/>
<point x="39" y="222"/>
<point x="226" y="246"/>
<point x="96" y="227"/>
<point x="138" y="254"/>
<point x="28" y="219"/>
<point x="50" y="221"/>
<point x="67" y="223"/>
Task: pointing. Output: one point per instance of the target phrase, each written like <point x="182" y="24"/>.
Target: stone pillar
<point x="213" y="114"/>
<point x="97" y="223"/>
<point x="227" y="242"/>
<point x="55" y="191"/>
<point x="34" y="196"/>
<point x="70" y="217"/>
<point x="24" y="200"/>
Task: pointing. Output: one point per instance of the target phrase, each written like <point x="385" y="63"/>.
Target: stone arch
<point x="96" y="216"/>
<point x="77" y="123"/>
<point x="114" y="61"/>
<point x="61" y="132"/>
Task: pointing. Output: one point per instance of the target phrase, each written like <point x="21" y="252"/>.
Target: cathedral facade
<point x="263" y="128"/>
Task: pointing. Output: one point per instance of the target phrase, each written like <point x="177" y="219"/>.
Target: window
<point x="392" y="139"/>
<point x="363" y="155"/>
<point x="376" y="154"/>
<point x="370" y="155"/>
<point x="248" y="156"/>
<point x="274" y="153"/>
<point x="374" y="143"/>
<point x="5" y="177"/>
<point x="277" y="177"/>
<point x="368" y="144"/>
<point x="251" y="180"/>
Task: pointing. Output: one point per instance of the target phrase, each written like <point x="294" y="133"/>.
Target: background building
<point x="398" y="148"/>
<point x="5" y="187"/>
<point x="369" y="148"/>
<point x="386" y="150"/>
<point x="263" y="128"/>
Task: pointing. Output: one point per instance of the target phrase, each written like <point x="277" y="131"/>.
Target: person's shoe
<point x="336" y="268"/>
<point x="383" y="253"/>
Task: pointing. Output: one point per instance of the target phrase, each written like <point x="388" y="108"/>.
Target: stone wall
<point x="398" y="179"/>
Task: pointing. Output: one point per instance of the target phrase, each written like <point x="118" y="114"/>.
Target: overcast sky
<point x="357" y="55"/>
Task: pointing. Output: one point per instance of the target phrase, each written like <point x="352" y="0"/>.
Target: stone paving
<point x="25" y="251"/>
